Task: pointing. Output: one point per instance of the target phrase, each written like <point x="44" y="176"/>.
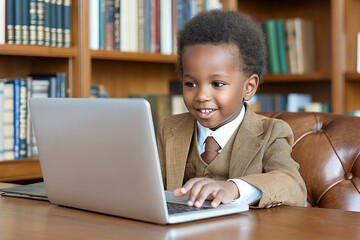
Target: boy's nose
<point x="203" y="95"/>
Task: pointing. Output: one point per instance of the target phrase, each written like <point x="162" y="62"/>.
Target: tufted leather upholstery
<point x="327" y="147"/>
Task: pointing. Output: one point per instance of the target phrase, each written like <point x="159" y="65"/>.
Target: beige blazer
<point x="260" y="156"/>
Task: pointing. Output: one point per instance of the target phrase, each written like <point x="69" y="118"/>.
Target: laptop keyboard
<point x="174" y="208"/>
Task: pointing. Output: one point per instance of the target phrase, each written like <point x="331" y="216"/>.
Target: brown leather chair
<point x="327" y="147"/>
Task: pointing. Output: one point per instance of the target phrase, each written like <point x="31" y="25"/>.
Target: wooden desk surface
<point x="32" y="219"/>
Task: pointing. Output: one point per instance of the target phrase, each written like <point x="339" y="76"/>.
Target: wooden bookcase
<point x="336" y="25"/>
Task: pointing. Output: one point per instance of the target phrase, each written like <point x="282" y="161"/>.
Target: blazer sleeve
<point x="161" y="151"/>
<point x="280" y="182"/>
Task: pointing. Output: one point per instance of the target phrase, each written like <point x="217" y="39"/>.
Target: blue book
<point x="47" y="23"/>
<point x="117" y="25"/>
<point x="59" y="23"/>
<point x="16" y="118"/>
<point x="180" y="20"/>
<point x="280" y="37"/>
<point x="25" y="22"/>
<point x="102" y="29"/>
<point x="40" y="10"/>
<point x="67" y="23"/>
<point x="33" y="22"/>
<point x="23" y="118"/>
<point x="10" y="19"/>
<point x="53" y="23"/>
<point x="18" y="22"/>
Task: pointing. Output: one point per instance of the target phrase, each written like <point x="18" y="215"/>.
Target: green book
<point x="272" y="47"/>
<point x="280" y="37"/>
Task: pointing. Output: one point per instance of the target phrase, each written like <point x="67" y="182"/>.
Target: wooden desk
<point x="32" y="219"/>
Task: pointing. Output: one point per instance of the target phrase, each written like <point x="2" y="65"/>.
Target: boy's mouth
<point x="206" y="113"/>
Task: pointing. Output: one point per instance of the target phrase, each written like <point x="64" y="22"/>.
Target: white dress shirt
<point x="248" y="192"/>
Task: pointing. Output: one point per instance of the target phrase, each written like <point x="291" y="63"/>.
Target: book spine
<point x="63" y="85"/>
<point x="147" y="25"/>
<point x="25" y="22"/>
<point x="94" y="24"/>
<point x="155" y="25"/>
<point x="273" y="56"/>
<point x="22" y="119"/>
<point x="124" y="24"/>
<point x="117" y="24"/>
<point x="174" y="29"/>
<point x="2" y="84"/>
<point x="141" y="22"/>
<point x="59" y="24"/>
<point x="16" y="119"/>
<point x="18" y="22"/>
<point x="9" y="120"/>
<point x="53" y="34"/>
<point x="67" y="23"/>
<point x="47" y="23"/>
<point x="280" y="37"/>
<point x="10" y="19"/>
<point x="134" y="27"/>
<point x="40" y="22"/>
<point x="2" y="21"/>
<point x="102" y="32"/>
<point x="33" y="22"/>
<point x="28" y="118"/>
<point x="180" y="20"/>
<point x="58" y="85"/>
<point x="109" y="25"/>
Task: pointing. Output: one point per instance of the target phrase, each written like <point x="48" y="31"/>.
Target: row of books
<point x="293" y="102"/>
<point x="141" y="25"/>
<point x="16" y="137"/>
<point x="291" y="46"/>
<point x="36" y="22"/>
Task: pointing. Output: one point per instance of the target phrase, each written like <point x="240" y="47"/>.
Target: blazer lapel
<point x="247" y="143"/>
<point x="177" y="149"/>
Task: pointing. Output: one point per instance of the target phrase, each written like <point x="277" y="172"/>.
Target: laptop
<point x="101" y="155"/>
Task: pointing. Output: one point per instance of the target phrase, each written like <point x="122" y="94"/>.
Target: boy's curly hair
<point x="224" y="26"/>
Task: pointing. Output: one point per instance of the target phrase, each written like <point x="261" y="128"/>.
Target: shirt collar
<point x="222" y="134"/>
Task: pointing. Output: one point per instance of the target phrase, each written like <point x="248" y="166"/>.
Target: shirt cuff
<point x="248" y="193"/>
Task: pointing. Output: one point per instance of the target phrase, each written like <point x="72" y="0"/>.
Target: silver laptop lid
<point x="84" y="146"/>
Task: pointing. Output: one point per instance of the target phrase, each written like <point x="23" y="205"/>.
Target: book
<point x="16" y="118"/>
<point x="141" y="25"/>
<point x="18" y="22"/>
<point x="291" y="45"/>
<point x="53" y="30"/>
<point x="2" y="22"/>
<point x="23" y="118"/>
<point x="317" y="107"/>
<point x="2" y="85"/>
<point x="109" y="25"/>
<point x="117" y="24"/>
<point x="94" y="24"/>
<point x="124" y="26"/>
<point x="10" y="19"/>
<point x="147" y="25"/>
<point x="40" y="10"/>
<point x="102" y="24"/>
<point x="133" y="36"/>
<point x="47" y="22"/>
<point x="59" y="23"/>
<point x="155" y="26"/>
<point x="174" y="20"/>
<point x="281" y="46"/>
<point x="272" y="47"/>
<point x="57" y="83"/>
<point x="67" y="23"/>
<point x="25" y="22"/>
<point x="165" y="27"/>
<point x="33" y="22"/>
<point x="28" y="118"/>
<point x="8" y="139"/>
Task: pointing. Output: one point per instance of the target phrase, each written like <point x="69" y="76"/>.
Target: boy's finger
<point x="179" y="192"/>
<point x="218" y="199"/>
<point x="205" y="191"/>
<point x="194" y="191"/>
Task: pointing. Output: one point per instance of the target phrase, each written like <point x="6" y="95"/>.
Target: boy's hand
<point x="201" y="189"/>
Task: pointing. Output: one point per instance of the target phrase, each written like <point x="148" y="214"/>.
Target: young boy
<point x="221" y="150"/>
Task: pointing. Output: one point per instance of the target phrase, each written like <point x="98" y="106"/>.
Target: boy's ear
<point x="250" y="86"/>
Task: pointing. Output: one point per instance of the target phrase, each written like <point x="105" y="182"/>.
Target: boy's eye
<point x="218" y="84"/>
<point x="189" y="84"/>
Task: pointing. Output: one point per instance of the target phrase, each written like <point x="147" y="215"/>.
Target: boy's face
<point x="214" y="87"/>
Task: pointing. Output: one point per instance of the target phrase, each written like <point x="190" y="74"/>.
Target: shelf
<point x="306" y="77"/>
<point x="133" y="56"/>
<point x="20" y="169"/>
<point x="37" y="51"/>
<point x="352" y="76"/>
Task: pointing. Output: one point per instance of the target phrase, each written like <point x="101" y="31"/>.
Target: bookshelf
<point x="336" y="23"/>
